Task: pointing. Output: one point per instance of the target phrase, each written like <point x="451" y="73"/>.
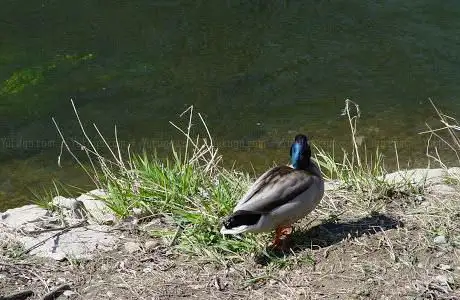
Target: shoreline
<point x="95" y="237"/>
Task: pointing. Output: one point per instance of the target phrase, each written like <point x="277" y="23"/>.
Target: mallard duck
<point x="280" y="196"/>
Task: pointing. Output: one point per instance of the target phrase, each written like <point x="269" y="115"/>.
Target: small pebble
<point x="132" y="247"/>
<point x="419" y="198"/>
<point x="445" y="267"/>
<point x="69" y="293"/>
<point x="149" y="246"/>
<point x="440" y="239"/>
<point x="58" y="256"/>
<point x="137" y="211"/>
<point x="444" y="279"/>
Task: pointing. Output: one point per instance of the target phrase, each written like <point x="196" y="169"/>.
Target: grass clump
<point x="190" y="188"/>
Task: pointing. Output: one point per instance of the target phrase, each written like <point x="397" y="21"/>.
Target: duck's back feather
<point x="274" y="188"/>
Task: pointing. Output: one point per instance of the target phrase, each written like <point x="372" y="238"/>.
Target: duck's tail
<point x="240" y="221"/>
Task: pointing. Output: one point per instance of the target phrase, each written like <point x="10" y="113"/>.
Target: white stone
<point x="77" y="243"/>
<point x="96" y="208"/>
<point x="441" y="189"/>
<point x="417" y="177"/>
<point x="16" y="217"/>
<point x="59" y="256"/>
<point x="69" y="293"/>
<point x="440" y="239"/>
<point x="137" y="212"/>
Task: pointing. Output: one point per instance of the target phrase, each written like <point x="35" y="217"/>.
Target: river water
<point x="258" y="71"/>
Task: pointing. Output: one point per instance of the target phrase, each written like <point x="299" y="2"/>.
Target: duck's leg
<point x="281" y="234"/>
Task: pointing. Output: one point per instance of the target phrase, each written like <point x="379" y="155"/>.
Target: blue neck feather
<point x="295" y="155"/>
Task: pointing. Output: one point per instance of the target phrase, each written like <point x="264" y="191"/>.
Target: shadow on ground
<point x="332" y="232"/>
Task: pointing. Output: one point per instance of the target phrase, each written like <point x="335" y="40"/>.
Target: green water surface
<point x="257" y="70"/>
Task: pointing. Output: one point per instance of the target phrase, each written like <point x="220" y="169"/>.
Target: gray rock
<point x="417" y="177"/>
<point x="440" y="239"/>
<point x="441" y="189"/>
<point x="59" y="256"/>
<point x="132" y="247"/>
<point x="77" y="243"/>
<point x="97" y="209"/>
<point x="16" y="217"/>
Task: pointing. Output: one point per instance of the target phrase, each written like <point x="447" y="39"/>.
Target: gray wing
<point x="274" y="188"/>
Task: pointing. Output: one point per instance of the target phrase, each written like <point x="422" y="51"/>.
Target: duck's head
<point x="300" y="152"/>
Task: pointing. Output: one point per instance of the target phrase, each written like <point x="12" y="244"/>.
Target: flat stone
<point x="442" y="189"/>
<point x="77" y="243"/>
<point x="417" y="177"/>
<point x="16" y="217"/>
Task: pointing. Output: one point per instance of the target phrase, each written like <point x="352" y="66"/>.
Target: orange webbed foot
<point x="282" y="233"/>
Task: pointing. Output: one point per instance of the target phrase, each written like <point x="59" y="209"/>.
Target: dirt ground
<point x="402" y="248"/>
